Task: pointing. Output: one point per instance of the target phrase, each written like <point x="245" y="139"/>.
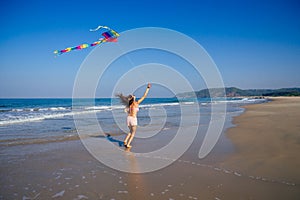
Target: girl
<point x="132" y="107"/>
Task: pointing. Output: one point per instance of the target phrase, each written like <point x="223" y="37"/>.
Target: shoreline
<point x="266" y="140"/>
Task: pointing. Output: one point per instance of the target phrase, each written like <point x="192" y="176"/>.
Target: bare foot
<point x="128" y="146"/>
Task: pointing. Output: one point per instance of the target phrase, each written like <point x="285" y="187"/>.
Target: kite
<point x="109" y="36"/>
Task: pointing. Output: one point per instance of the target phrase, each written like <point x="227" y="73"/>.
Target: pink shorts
<point x="131" y="121"/>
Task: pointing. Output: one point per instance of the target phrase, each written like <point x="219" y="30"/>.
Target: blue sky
<point x="255" y="44"/>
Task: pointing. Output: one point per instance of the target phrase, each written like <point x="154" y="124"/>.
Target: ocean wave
<point x="17" y="116"/>
<point x="5" y="110"/>
<point x="11" y="119"/>
<point x="104" y="107"/>
<point x="23" y="115"/>
<point x="159" y="105"/>
<point x="189" y="103"/>
<point x="235" y="101"/>
<point x="38" y="109"/>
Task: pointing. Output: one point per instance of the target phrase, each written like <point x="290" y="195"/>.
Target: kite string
<point x="130" y="60"/>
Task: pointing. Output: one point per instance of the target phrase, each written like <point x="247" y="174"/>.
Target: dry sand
<point x="267" y="140"/>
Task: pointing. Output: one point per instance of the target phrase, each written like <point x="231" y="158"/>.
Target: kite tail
<point x="109" y="36"/>
<point x="99" y="27"/>
<point x="82" y="46"/>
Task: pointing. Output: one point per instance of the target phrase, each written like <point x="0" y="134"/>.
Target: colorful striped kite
<point x="109" y="36"/>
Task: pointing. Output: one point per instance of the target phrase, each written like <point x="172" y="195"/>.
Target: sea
<point x="30" y="121"/>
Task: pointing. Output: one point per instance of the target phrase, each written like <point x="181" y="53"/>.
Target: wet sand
<point x="263" y="166"/>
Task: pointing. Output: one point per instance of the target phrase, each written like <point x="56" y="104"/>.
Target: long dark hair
<point x="131" y="100"/>
<point x="125" y="100"/>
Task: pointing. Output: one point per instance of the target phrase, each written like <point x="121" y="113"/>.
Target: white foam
<point x="159" y="105"/>
<point x="188" y="103"/>
<point x="59" y="194"/>
<point x="39" y="109"/>
<point x="234" y="101"/>
<point x="39" y="114"/>
<point x="57" y="108"/>
<point x="237" y="174"/>
<point x="23" y="115"/>
<point x="32" y="117"/>
<point x="31" y="198"/>
<point x="98" y="108"/>
<point x="80" y="196"/>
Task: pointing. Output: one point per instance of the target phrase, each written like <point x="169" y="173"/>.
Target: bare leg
<point x="132" y="131"/>
<point x="126" y="139"/>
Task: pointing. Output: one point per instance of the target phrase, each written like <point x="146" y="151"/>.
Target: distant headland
<point x="237" y="92"/>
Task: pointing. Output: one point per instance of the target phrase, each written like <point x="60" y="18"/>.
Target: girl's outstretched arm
<point x="145" y="94"/>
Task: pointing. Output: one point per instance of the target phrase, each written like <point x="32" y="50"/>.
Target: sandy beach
<point x="267" y="139"/>
<point x="263" y="165"/>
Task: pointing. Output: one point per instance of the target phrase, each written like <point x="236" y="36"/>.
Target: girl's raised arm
<point x="145" y="94"/>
